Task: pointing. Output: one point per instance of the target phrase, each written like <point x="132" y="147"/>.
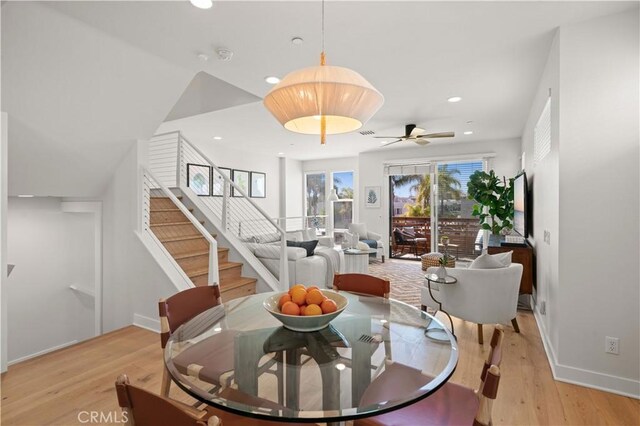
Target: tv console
<point x="522" y="254"/>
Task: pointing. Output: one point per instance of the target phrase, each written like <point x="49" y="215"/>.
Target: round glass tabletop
<point x="371" y="359"/>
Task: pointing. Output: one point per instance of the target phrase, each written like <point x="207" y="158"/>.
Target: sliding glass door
<point x="433" y="193"/>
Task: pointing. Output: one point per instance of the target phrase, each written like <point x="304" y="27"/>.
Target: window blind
<point x="542" y="134"/>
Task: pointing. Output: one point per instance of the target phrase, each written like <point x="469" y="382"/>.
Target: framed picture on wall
<point x="240" y="178"/>
<point x="218" y="181"/>
<point x="372" y="197"/>
<point x="199" y="179"/>
<point x="258" y="185"/>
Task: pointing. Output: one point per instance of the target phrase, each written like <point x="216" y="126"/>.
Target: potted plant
<point x="495" y="201"/>
<point x="442" y="270"/>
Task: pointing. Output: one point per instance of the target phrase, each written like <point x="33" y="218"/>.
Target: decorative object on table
<point x="312" y="100"/>
<point x="495" y="201"/>
<point x="304" y="323"/>
<point x="372" y="197"/>
<point x="258" y="187"/>
<point x="360" y="245"/>
<point x="240" y="178"/>
<point x="199" y="179"/>
<point x="218" y="181"/>
<point x="333" y="196"/>
<point x="442" y="270"/>
<point x="433" y="259"/>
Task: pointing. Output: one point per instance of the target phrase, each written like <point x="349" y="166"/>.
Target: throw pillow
<point x="486" y="261"/>
<point x="360" y="229"/>
<point x="310" y="246"/>
<point x="309" y="234"/>
<point x="504" y="258"/>
<point x="295" y="236"/>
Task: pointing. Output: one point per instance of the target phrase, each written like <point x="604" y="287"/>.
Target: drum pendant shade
<point x="336" y="98"/>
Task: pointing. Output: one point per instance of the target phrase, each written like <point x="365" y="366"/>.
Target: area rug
<point x="406" y="277"/>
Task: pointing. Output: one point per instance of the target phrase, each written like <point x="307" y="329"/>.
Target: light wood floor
<point x="54" y="388"/>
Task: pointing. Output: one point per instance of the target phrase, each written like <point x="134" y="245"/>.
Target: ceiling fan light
<point x="342" y="96"/>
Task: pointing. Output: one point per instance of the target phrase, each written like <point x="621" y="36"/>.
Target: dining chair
<point x="180" y="308"/>
<point x="142" y="408"/>
<point x="452" y="404"/>
<point x="362" y="283"/>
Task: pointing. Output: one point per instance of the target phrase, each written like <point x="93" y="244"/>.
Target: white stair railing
<point x="152" y="186"/>
<point x="296" y="223"/>
<point x="238" y="217"/>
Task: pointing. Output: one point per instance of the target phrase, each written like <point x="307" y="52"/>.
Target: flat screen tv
<point x="520" y="204"/>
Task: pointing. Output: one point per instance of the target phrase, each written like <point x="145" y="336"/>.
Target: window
<point x="315" y="190"/>
<point x="542" y="134"/>
<point x="343" y="209"/>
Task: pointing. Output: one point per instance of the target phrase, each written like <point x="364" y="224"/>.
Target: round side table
<point x="434" y="331"/>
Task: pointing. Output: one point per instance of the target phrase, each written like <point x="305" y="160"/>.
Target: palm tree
<point x="315" y="189"/>
<point x="448" y="184"/>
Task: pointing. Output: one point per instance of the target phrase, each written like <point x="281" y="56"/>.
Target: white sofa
<point x="317" y="269"/>
<point x="483" y="296"/>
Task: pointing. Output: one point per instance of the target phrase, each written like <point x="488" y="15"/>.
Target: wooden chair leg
<point x="166" y="383"/>
<point x="480" y="336"/>
<point x="514" y="322"/>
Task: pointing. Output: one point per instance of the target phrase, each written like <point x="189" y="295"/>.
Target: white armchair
<point x="483" y="296"/>
<point x="365" y="234"/>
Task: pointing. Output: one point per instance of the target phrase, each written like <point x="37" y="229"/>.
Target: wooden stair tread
<point x="179" y="197"/>
<point x="191" y="254"/>
<point x="238" y="282"/>
<point x="228" y="265"/>
<point x="175" y="223"/>
<point x="221" y="249"/>
<point x="167" y="210"/>
<point x="181" y="238"/>
<point x="197" y="272"/>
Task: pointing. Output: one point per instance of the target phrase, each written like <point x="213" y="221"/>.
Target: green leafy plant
<point x="496" y="194"/>
<point x="444" y="259"/>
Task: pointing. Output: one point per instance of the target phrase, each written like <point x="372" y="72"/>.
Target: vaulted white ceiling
<point x="417" y="54"/>
<point x="82" y="80"/>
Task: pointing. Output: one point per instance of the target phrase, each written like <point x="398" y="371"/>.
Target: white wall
<point x="294" y="188"/>
<point x="133" y="281"/>
<point x="544" y="185"/>
<point x="51" y="250"/>
<point x="3" y="241"/>
<point x="371" y="170"/>
<point x="585" y="194"/>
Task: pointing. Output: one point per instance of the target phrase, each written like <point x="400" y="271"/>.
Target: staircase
<point x="191" y="250"/>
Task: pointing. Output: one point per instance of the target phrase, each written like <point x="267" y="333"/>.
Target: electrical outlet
<point x="547" y="237"/>
<point x="543" y="308"/>
<point x="612" y="345"/>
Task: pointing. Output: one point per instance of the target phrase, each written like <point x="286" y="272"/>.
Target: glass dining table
<point x="373" y="358"/>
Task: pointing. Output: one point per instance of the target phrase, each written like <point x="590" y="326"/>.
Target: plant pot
<point x="495" y="240"/>
<point x="441" y="273"/>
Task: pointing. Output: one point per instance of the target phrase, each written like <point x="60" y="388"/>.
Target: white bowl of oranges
<point x="305" y="309"/>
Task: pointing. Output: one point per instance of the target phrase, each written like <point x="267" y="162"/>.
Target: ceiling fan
<point x="415" y="134"/>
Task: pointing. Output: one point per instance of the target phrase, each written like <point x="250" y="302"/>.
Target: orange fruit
<point x="328" y="306"/>
<point x="312" y="310"/>
<point x="283" y="299"/>
<point x="314" y="297"/>
<point x="290" y="308"/>
<point x="302" y="309"/>
<point x="299" y="295"/>
<point x="313" y="287"/>
<point x="294" y="287"/>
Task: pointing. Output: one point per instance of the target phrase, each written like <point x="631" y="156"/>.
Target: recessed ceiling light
<point x="202" y="4"/>
<point x="203" y="57"/>
<point x="454" y="99"/>
<point x="469" y="122"/>
<point x="281" y="153"/>
<point x="218" y="138"/>
<point x="272" y="80"/>
<point x="468" y="132"/>
<point x="26" y="196"/>
<point x="224" y="54"/>
<point x="297" y="41"/>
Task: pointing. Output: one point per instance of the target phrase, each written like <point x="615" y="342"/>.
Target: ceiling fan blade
<point x="416" y="131"/>
<point x="422" y="142"/>
<point x="391" y="143"/>
<point x="388" y="137"/>
<point x="438" y="135"/>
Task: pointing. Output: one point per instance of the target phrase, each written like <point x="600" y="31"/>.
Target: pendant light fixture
<point x="323" y="99"/>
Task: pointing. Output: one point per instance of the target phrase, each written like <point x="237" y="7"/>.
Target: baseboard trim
<point x="587" y="378"/>
<point x="147" y="323"/>
<point x="42" y="352"/>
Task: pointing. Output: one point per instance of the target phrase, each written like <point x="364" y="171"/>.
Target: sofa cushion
<point x="269" y="251"/>
<point x="486" y="261"/>
<point x="295" y="236"/>
<point x="310" y="246"/>
<point x="309" y="234"/>
<point x="267" y="238"/>
<point x="359" y="228"/>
